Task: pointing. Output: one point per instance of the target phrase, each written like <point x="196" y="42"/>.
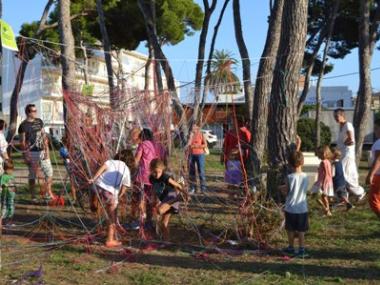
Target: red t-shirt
<point x="231" y="142"/>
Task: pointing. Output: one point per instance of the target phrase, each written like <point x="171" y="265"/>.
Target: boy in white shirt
<point x="296" y="211"/>
<point x="112" y="180"/>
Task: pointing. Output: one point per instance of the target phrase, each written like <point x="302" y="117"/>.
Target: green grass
<point x="344" y="249"/>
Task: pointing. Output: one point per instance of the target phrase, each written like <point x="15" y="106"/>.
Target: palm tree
<point x="222" y="79"/>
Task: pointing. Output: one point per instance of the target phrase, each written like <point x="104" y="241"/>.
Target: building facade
<point x="332" y="97"/>
<point x="42" y="84"/>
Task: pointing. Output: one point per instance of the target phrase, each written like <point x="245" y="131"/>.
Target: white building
<point x="332" y="97"/>
<point x="42" y="84"/>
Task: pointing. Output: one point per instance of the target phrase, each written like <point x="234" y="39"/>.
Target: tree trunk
<point x="147" y="67"/>
<point x="85" y="68"/>
<point x="263" y="87"/>
<point x="107" y="53"/>
<point x="245" y="61"/>
<point x="67" y="47"/>
<point x="201" y="55"/>
<point x="211" y="54"/>
<point x="309" y="71"/>
<point x="27" y="54"/>
<point x="215" y="34"/>
<point x="159" y="55"/>
<point x="156" y="65"/>
<point x="283" y="101"/>
<point x="14" y="100"/>
<point x="121" y="84"/>
<point x="331" y="23"/>
<point x="363" y="101"/>
<point x="67" y="50"/>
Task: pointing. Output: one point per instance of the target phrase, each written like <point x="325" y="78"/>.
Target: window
<point x="340" y="103"/>
<point x="47" y="111"/>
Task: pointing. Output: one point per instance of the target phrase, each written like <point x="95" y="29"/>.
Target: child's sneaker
<point x="135" y="225"/>
<point x="349" y="206"/>
<point x="289" y="250"/>
<point x="302" y="253"/>
<point x="361" y="197"/>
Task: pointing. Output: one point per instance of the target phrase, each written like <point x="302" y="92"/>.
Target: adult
<point x="373" y="177"/>
<point x="236" y="139"/>
<point x="32" y="140"/>
<point x="3" y="146"/>
<point x="346" y="145"/>
<point x="196" y="145"/>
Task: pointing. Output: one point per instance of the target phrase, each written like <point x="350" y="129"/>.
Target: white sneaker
<point x="361" y="197"/>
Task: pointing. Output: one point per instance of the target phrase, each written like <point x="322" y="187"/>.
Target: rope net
<point x="226" y="216"/>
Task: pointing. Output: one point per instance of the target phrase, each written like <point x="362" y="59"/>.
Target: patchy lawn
<point x="344" y="249"/>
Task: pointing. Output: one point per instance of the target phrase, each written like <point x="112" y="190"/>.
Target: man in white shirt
<point x="346" y="145"/>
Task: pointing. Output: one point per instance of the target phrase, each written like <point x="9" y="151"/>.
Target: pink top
<point x="197" y="139"/>
<point x="147" y="150"/>
<point x="160" y="151"/>
<point x="325" y="175"/>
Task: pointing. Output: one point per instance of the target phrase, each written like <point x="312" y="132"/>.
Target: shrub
<point x="306" y="130"/>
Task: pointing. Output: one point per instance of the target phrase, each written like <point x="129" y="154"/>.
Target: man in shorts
<point x="36" y="150"/>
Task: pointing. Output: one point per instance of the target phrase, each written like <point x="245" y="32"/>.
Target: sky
<point x="183" y="55"/>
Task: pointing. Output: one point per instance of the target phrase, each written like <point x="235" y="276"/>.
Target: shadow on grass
<point x="344" y="255"/>
<point x="310" y="270"/>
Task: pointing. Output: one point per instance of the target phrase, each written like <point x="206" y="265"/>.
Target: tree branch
<point x="270" y="7"/>
<point x="374" y="30"/>
<point x="207" y="6"/>
<point x="213" y="5"/>
<point x="54" y="25"/>
<point x="44" y="16"/>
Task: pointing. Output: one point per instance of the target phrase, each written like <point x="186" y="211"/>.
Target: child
<point x="135" y="141"/>
<point x="296" y="211"/>
<point x="64" y="153"/>
<point x="112" y="180"/>
<point x="373" y="177"/>
<point x="324" y="184"/>
<point x="339" y="182"/>
<point x="8" y="191"/>
<point x="145" y="153"/>
<point x="233" y="175"/>
<point x="47" y="171"/>
<point x="165" y="189"/>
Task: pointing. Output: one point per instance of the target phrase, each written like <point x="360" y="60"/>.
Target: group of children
<point x="331" y="181"/>
<point x="330" y="184"/>
<point x="154" y="192"/>
<point x="143" y="171"/>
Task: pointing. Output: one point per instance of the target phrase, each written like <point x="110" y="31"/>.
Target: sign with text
<point x="8" y="39"/>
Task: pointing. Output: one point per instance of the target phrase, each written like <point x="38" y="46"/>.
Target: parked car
<point x="211" y="138"/>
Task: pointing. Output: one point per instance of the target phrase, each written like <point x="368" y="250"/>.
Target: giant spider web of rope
<point x="96" y="133"/>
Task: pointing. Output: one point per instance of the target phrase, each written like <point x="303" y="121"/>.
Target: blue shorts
<point x="296" y="222"/>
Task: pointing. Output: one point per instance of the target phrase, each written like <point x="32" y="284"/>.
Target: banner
<point x="8" y="40"/>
